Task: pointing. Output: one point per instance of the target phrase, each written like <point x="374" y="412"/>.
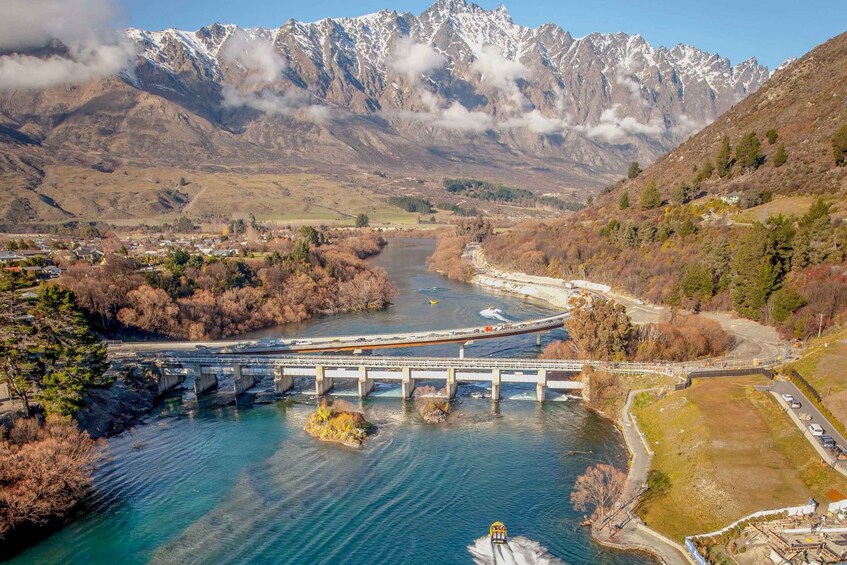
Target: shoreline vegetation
<point x="339" y="422"/>
<point x="46" y="470"/>
<point x="185" y="296"/>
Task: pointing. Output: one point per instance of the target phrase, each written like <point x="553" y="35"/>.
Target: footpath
<point x="628" y="531"/>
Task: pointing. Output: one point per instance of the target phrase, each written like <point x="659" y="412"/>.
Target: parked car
<point x="794" y="404"/>
<point x="839" y="452"/>
<point x="816" y="430"/>
<point x="788" y="397"/>
<point x="827" y="441"/>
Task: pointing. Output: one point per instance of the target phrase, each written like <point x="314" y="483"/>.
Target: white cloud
<point x="500" y="72"/>
<point x="264" y="65"/>
<point x="686" y="126"/>
<point x="613" y="128"/>
<point x="414" y="59"/>
<point x="255" y="55"/>
<point x="460" y="118"/>
<point x="455" y="117"/>
<point x="85" y="27"/>
<point x="536" y="122"/>
<point x="629" y="82"/>
<point x="292" y="102"/>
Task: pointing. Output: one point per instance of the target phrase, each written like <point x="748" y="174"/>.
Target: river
<point x="206" y="483"/>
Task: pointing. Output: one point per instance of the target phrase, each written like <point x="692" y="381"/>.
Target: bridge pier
<point x="451" y="383"/>
<point x="366" y="385"/>
<point x="541" y="387"/>
<point x="241" y="380"/>
<point x="323" y="384"/>
<point x="165" y="380"/>
<point x="537" y="339"/>
<point x="495" y="385"/>
<point x="282" y="382"/>
<point x="203" y="382"/>
<point x="407" y="386"/>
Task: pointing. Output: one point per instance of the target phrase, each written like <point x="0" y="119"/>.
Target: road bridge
<point x="462" y="336"/>
<point x="326" y="370"/>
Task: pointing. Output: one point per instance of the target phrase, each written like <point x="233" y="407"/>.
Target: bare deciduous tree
<point x="598" y="490"/>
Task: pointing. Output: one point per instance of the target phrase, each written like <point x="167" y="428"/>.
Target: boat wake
<point x="519" y="551"/>
<point x="494" y="314"/>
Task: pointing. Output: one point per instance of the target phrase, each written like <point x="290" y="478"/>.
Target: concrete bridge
<point x="462" y="336"/>
<point x="326" y="371"/>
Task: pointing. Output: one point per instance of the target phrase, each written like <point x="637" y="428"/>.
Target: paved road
<point x="752" y="339"/>
<point x="787" y="387"/>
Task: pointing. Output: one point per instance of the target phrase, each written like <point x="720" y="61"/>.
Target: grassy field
<point x="729" y="451"/>
<point x="132" y="195"/>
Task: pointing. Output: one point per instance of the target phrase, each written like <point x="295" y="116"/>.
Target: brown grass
<point x="729" y="451"/>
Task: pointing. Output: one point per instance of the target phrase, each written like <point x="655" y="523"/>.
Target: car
<point x="816" y="430"/>
<point x="827" y="441"/>
<point x="794" y="404"/>
<point x="639" y="302"/>
<point x="788" y="397"/>
<point x="199" y="346"/>
<point x="839" y="452"/>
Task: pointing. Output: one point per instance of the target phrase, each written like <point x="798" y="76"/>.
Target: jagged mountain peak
<point x="458" y="83"/>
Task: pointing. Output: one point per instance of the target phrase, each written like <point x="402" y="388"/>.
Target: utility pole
<point x="820" y="324"/>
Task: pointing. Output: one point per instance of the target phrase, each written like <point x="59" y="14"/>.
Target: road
<point x="808" y="407"/>
<point x="346" y="343"/>
<point x="752" y="340"/>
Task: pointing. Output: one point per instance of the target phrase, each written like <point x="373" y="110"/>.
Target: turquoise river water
<point x="208" y="483"/>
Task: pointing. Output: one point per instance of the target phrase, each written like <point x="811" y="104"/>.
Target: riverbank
<point x="752" y="341"/>
<point x="548" y="289"/>
<point x="633" y="534"/>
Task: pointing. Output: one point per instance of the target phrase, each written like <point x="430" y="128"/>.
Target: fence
<point x="790" y="511"/>
<point x="809" y="389"/>
<point x="702" y="374"/>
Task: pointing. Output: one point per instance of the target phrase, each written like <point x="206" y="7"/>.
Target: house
<point x="9" y="257"/>
<point x="88" y="254"/>
<point x="52" y="272"/>
<point x="733" y="198"/>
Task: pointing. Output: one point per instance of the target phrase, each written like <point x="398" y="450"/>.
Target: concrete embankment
<point x="556" y="297"/>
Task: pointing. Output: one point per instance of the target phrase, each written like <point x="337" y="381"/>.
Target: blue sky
<point x="771" y="31"/>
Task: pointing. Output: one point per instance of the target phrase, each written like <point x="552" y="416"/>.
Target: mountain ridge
<point x="455" y="91"/>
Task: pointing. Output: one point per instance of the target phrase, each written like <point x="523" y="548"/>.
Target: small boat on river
<point x="497" y="532"/>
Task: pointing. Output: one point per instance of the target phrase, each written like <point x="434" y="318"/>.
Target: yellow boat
<point x="497" y="532"/>
<point x="433" y="302"/>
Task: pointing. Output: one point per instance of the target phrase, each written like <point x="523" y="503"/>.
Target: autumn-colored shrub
<point x="447" y="259"/>
<point x="44" y="471"/>
<point x="195" y="298"/>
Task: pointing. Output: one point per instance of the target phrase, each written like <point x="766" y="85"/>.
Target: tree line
<point x="194" y="297"/>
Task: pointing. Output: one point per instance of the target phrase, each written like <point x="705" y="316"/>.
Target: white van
<point x="816" y="430"/>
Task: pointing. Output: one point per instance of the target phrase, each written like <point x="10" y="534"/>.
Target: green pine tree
<point x="624" y="201"/>
<point x="772" y="136"/>
<point x="839" y="146"/>
<point x="724" y="160"/>
<point x="650" y="197"/>
<point x="780" y="157"/>
<point x="633" y="171"/>
<point x="748" y="154"/>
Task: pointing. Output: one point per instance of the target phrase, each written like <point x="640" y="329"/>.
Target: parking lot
<point x="807" y="407"/>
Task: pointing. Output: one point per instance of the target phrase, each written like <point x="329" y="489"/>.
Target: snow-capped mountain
<point x="609" y="88"/>
<point x="457" y="89"/>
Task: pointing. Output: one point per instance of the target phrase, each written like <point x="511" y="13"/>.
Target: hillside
<point x="456" y="91"/>
<point x="805" y="103"/>
<point x="767" y="242"/>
